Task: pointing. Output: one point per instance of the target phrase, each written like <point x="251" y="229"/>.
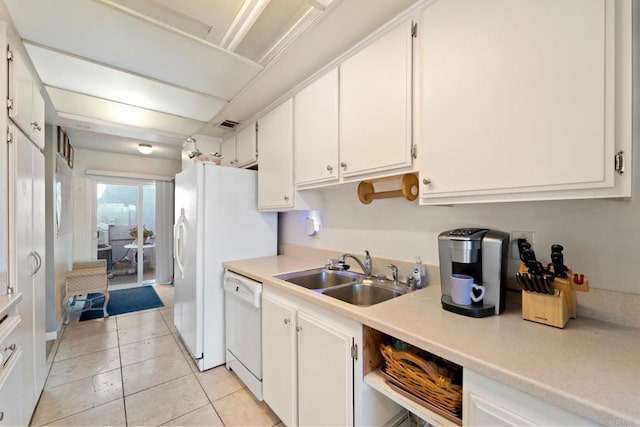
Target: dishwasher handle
<point x="243" y="288"/>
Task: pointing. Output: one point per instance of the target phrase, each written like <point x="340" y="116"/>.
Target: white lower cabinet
<point x="279" y="358"/>
<point x="312" y="366"/>
<point x="13" y="410"/>
<point x="489" y="403"/>
<point x="325" y="372"/>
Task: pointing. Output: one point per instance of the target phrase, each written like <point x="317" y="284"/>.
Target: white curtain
<point x="164" y="234"/>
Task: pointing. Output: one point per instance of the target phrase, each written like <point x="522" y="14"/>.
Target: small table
<point x="135" y="248"/>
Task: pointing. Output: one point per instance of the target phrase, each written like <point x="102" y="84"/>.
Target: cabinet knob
<point x="298" y="328"/>
<point x="330" y="168"/>
<point x="286" y="198"/>
<point x="343" y="165"/>
<point x="287" y="321"/>
<point x="426" y="181"/>
<point x="35" y="126"/>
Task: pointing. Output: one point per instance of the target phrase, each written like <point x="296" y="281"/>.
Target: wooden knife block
<point x="552" y="310"/>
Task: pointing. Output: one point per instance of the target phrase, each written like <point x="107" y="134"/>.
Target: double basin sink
<point x="346" y="286"/>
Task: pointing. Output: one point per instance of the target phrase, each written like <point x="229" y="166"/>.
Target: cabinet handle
<point x="1" y="415"/>
<point x="299" y="328"/>
<point x="35" y="126"/>
<point x="287" y="321"/>
<point x="330" y="168"/>
<point x="343" y="165"/>
<point x="426" y="181"/>
<point x="286" y="198"/>
<point x="38" y="259"/>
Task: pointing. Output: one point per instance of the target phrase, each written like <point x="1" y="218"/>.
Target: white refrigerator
<point x="216" y="220"/>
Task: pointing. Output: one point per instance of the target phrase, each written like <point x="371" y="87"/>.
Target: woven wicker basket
<point x="423" y="378"/>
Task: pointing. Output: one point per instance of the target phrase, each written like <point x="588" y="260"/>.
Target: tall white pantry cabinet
<point x="24" y="126"/>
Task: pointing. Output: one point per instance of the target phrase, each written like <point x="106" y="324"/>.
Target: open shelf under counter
<point x="388" y="386"/>
<point x="377" y="381"/>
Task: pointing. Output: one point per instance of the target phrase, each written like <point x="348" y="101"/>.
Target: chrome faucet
<point x="366" y="267"/>
<point x="394" y="273"/>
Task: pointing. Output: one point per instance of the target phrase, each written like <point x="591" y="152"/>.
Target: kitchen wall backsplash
<point x="600" y="237"/>
<point x="609" y="306"/>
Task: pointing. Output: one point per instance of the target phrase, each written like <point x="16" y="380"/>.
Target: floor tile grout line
<point x="124" y="400"/>
<point x="75" y="413"/>
<point x="78" y="379"/>
<point x="190" y="412"/>
<point x="159" y="384"/>
<point x="209" y="399"/>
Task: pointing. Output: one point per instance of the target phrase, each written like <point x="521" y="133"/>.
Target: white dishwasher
<point x="243" y="329"/>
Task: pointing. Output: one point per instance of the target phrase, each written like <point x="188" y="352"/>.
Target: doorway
<point x="126" y="231"/>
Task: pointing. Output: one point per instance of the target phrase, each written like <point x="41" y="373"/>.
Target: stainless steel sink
<point x="320" y="278"/>
<point x="364" y="294"/>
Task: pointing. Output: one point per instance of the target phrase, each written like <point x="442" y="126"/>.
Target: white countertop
<point x="590" y="368"/>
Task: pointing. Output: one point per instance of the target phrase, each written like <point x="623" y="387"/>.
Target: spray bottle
<point x="419" y="273"/>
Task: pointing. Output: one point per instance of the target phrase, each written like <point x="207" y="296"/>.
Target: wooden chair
<point x="88" y="277"/>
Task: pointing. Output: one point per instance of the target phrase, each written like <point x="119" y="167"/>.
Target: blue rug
<point x="123" y="301"/>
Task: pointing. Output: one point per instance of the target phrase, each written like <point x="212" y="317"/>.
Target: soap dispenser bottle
<point x="419" y="273"/>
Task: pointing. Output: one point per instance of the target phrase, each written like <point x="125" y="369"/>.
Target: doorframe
<point x="92" y="201"/>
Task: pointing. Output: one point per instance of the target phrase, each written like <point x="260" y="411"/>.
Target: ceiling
<point x="119" y="71"/>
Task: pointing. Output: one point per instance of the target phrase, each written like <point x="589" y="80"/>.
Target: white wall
<point x="98" y="160"/>
<point x="601" y="237"/>
<point x="59" y="242"/>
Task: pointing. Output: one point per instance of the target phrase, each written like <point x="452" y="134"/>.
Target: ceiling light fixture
<point x="145" y="148"/>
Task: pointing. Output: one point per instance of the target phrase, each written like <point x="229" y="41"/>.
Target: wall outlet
<point x="515" y="235"/>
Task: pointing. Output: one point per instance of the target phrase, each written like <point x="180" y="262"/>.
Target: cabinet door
<point x="246" y="146"/>
<point x="26" y="260"/>
<point x="275" y="174"/>
<point x="11" y="408"/>
<point x="325" y="374"/>
<point x="279" y="388"/>
<point x="315" y="116"/>
<point x="228" y="151"/>
<point x="37" y="117"/>
<point x="20" y="92"/>
<point x="376" y="105"/>
<point x="487" y="402"/>
<point x="39" y="291"/>
<point x="516" y="96"/>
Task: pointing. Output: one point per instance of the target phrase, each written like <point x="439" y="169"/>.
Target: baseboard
<point x="52" y="336"/>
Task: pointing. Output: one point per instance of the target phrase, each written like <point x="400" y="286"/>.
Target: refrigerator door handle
<point x="178" y="239"/>
<point x="38" y="261"/>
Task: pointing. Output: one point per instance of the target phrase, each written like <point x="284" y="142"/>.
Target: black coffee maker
<point x="482" y="254"/>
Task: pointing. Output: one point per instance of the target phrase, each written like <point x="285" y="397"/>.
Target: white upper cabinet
<point x="316" y="132"/>
<point x="228" y="151"/>
<point x="275" y="174"/>
<point x="246" y="146"/>
<point x="26" y="105"/>
<point x="524" y="100"/>
<point x="376" y="105"/>
<point x="241" y="149"/>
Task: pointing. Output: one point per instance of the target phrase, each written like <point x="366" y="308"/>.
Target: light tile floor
<point x="133" y="369"/>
